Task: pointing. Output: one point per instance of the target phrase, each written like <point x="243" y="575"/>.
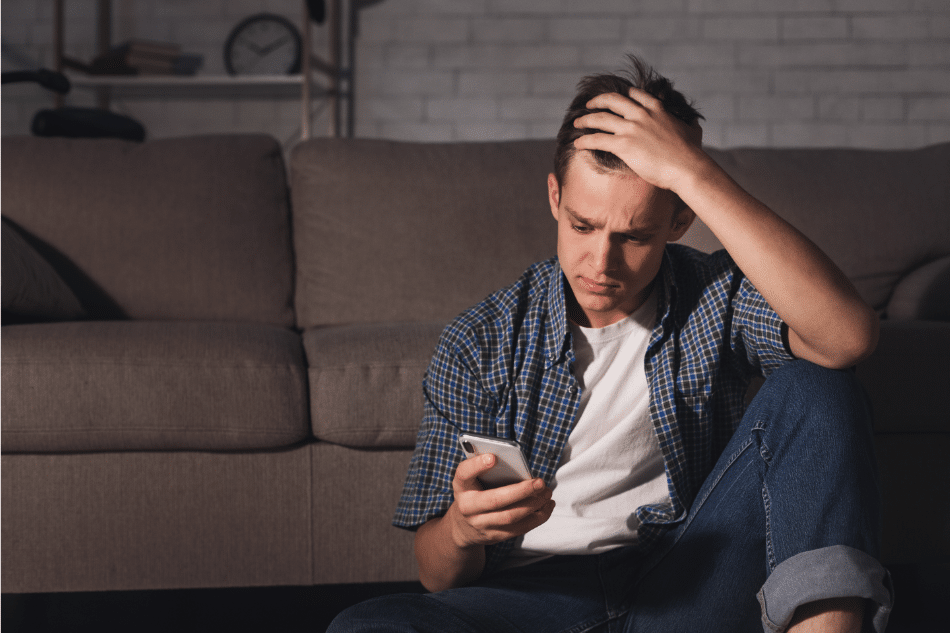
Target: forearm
<point x="443" y="564"/>
<point x="829" y="323"/>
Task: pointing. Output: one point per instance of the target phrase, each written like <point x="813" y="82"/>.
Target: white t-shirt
<point x="612" y="463"/>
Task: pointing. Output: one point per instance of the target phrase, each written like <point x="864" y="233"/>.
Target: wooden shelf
<point x="197" y="86"/>
<point x="222" y="86"/>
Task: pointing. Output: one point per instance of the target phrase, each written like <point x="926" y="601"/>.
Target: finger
<point x="599" y="141"/>
<point x="517" y="524"/>
<point x="618" y="104"/>
<point x="646" y="100"/>
<point x="606" y="121"/>
<point x="466" y="475"/>
<point x="504" y="498"/>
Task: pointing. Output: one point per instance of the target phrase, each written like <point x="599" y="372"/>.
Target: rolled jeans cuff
<point x="838" y="571"/>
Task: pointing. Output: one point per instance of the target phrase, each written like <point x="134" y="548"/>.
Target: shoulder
<point x="504" y="310"/>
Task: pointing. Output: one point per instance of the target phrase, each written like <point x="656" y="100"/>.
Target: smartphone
<point x="510" y="465"/>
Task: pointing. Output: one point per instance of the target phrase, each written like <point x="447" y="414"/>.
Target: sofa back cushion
<point x="879" y="214"/>
<point x="393" y="231"/>
<point x="389" y="231"/>
<point x="187" y="228"/>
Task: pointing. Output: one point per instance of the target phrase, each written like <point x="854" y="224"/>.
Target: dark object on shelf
<point x="49" y="79"/>
<point x="73" y="122"/>
<point x="263" y="44"/>
<point x="317" y="9"/>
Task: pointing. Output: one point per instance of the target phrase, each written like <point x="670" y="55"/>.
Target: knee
<point x="807" y="386"/>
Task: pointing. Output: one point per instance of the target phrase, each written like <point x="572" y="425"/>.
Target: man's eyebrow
<point x="648" y="229"/>
<point x="579" y="218"/>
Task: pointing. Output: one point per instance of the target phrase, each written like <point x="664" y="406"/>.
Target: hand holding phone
<point x="510" y="464"/>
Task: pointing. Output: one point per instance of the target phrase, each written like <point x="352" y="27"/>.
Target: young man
<point x="660" y="501"/>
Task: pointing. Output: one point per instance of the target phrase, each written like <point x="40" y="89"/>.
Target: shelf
<point x="225" y="86"/>
<point x="185" y="86"/>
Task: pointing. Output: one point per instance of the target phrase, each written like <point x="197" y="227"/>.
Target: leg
<point x="790" y="512"/>
<point x="564" y="593"/>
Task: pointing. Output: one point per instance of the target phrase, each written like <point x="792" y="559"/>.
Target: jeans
<point x="790" y="514"/>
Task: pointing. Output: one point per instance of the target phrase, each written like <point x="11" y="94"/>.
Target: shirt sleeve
<point x="455" y="399"/>
<point x="758" y="334"/>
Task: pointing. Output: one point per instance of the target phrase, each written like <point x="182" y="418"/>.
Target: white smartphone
<point x="510" y="465"/>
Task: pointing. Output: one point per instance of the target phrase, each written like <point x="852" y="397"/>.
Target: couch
<point x="211" y="362"/>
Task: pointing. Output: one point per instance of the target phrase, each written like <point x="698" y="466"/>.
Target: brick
<point x="423" y="132"/>
<point x="851" y="54"/>
<point x="622" y="7"/>
<point x="893" y="27"/>
<point x="882" y="109"/>
<point x="390" y="109"/>
<point x="425" y="7"/>
<point x="938" y="134"/>
<point x="737" y="82"/>
<point x="486" y="56"/>
<point x="809" y="134"/>
<point x="928" y="54"/>
<point x="775" y="108"/>
<point x="692" y="56"/>
<point x="585" y="30"/>
<point x="814" y="28"/>
<point x="877" y="5"/>
<point x="888" y="136"/>
<point x="929" y="109"/>
<point x="500" y="83"/>
<point x="532" y="108"/>
<point x="614" y="57"/>
<point x="759" y="6"/>
<point x="863" y="108"/>
<point x="431" y="30"/>
<point x="484" y="131"/>
<point x="740" y="28"/>
<point x="556" y="82"/>
<point x="745" y="135"/>
<point x="504" y="29"/>
<point x="662" y="28"/>
<point x="406" y="56"/>
<point x="407" y="83"/>
<point x="940" y="26"/>
<point x="715" y="107"/>
<point x="484" y="109"/>
<point x="863" y="81"/>
<point x="544" y="130"/>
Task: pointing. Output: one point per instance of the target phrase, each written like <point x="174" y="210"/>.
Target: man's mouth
<point x="597" y="287"/>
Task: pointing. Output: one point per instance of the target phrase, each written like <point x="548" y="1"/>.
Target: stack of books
<point x="145" y="57"/>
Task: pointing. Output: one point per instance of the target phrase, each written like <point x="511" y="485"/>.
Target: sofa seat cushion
<point x="106" y="386"/>
<point x="366" y="382"/>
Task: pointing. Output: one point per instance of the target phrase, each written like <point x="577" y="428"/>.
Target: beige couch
<point x="213" y="380"/>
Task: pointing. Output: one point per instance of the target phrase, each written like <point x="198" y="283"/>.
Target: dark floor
<point x="922" y="592"/>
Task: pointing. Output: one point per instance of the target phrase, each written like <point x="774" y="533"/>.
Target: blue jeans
<point x="790" y="514"/>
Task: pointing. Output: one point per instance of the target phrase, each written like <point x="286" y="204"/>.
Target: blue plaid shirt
<point x="505" y="368"/>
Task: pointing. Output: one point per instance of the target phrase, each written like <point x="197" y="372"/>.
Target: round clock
<point x="263" y="44"/>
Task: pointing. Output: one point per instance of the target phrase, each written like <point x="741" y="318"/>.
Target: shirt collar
<point x="557" y="341"/>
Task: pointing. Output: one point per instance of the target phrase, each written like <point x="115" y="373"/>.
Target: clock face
<point x="263" y="44"/>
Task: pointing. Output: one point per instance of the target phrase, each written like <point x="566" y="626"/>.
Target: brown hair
<point x="639" y="75"/>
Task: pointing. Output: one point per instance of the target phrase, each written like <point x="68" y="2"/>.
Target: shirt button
<point x="573" y="390"/>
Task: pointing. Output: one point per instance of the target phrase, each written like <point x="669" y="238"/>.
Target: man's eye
<point x="581" y="228"/>
<point x="637" y="239"/>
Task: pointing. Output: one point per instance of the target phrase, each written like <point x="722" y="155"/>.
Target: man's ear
<point x="554" y="195"/>
<point x="682" y="220"/>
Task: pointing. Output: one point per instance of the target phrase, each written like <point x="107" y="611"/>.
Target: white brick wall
<point x="863" y="73"/>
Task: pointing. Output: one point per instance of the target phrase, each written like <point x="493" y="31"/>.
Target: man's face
<point x="612" y="229"/>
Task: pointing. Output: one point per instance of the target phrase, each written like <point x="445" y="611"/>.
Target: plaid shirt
<point x="505" y="368"/>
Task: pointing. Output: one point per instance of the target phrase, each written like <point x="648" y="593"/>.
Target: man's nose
<point x="604" y="253"/>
